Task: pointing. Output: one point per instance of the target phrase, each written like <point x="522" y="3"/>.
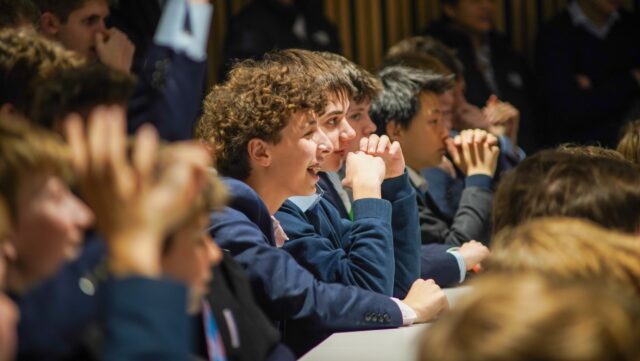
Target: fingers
<point x="468" y="151"/>
<point x="145" y="150"/>
<point x="395" y="149"/>
<point x="116" y="140"/>
<point x="74" y="134"/>
<point x="452" y="150"/>
<point x="493" y="99"/>
<point x="364" y="144"/>
<point x="383" y="145"/>
<point x="375" y="145"/>
<point x="98" y="148"/>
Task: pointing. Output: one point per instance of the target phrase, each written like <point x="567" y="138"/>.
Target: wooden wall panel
<point x="367" y="28"/>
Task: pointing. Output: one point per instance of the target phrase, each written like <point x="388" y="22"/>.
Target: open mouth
<point x="313" y="170"/>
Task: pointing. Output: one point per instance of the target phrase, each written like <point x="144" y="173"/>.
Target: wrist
<point x="366" y="188"/>
<point x="134" y="254"/>
<point x="479" y="171"/>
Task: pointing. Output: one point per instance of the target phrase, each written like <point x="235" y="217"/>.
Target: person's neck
<point x="597" y="17"/>
<point x="268" y="192"/>
<point x="413" y="165"/>
<point x="17" y="281"/>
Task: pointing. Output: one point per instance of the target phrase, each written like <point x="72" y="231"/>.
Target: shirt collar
<point x="307" y="202"/>
<point x="578" y="17"/>
<point x="417" y="179"/>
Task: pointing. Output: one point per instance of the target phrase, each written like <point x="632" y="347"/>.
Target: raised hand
<point x="504" y="118"/>
<point x="364" y="175"/>
<point x="474" y="151"/>
<point x="390" y="152"/>
<point x="115" y="50"/>
<point x="139" y="200"/>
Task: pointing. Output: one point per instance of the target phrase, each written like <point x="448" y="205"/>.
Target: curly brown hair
<point x="327" y="75"/>
<point x="27" y="59"/>
<point x="257" y="101"/>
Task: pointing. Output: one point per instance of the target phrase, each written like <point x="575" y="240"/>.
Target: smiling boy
<point x="262" y="124"/>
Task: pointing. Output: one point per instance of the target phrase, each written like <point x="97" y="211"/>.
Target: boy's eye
<point x="93" y="20"/>
<point x="355" y="116"/>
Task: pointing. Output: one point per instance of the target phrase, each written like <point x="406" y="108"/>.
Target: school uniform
<point x="378" y="251"/>
<point x="306" y="309"/>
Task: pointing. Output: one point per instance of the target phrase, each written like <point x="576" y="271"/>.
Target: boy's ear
<point x="49" y="24"/>
<point x="393" y="130"/>
<point x="259" y="152"/>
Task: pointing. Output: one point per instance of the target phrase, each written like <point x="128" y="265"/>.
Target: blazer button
<point x="367" y="317"/>
<point x="387" y="318"/>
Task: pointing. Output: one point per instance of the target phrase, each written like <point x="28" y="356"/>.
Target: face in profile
<point x="190" y="257"/>
<point x="78" y="33"/>
<point x="423" y="140"/>
<point x="335" y="125"/>
<point x="48" y="228"/>
<point x="359" y="119"/>
<point x="295" y="160"/>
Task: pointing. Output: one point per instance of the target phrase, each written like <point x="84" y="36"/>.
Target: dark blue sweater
<point x="378" y="251"/>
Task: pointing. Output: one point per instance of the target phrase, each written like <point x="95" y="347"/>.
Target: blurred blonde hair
<point x="527" y="317"/>
<point x="568" y="248"/>
<point x="26" y="150"/>
<point x="629" y="145"/>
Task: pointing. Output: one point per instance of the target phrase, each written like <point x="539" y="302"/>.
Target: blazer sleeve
<point x="145" y="319"/>
<point x="336" y="250"/>
<point x="471" y="220"/>
<point x="287" y="291"/>
<point x="406" y="232"/>
<point x="439" y="265"/>
<point x="171" y="83"/>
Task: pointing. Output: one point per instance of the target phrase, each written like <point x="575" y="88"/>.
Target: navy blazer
<point x="143" y="321"/>
<point x="168" y="94"/>
<point x="379" y="250"/>
<point x="306" y="309"/>
<point x="435" y="262"/>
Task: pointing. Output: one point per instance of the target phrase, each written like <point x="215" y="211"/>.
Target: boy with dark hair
<point x="408" y="111"/>
<point x="263" y="126"/>
<point x="79" y="26"/>
<point x="435" y="262"/>
<point x="367" y="251"/>
<point x="498" y="117"/>
<point x="556" y="183"/>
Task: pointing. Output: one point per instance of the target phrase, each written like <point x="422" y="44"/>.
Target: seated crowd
<point x="303" y="196"/>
